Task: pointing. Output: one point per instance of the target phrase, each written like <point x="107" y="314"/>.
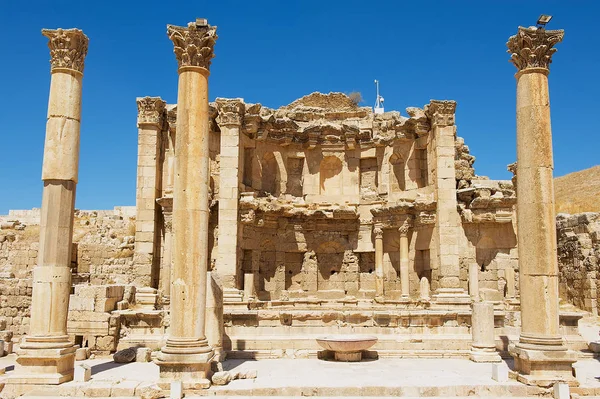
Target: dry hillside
<point x="578" y="191"/>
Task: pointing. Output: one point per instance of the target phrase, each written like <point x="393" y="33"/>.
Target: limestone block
<point x="81" y="303"/>
<point x="500" y="372"/>
<point x="2" y="352"/>
<point x="561" y="391"/>
<point x="82" y="353"/>
<point x="83" y="373"/>
<point x="176" y="390"/>
<point x="143" y="355"/>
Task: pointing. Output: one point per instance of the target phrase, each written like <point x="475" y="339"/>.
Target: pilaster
<point x="447" y="222"/>
<point x="150" y="121"/>
<point x="229" y="118"/>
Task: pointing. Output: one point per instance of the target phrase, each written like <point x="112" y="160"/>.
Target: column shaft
<point x="379" y="280"/>
<point x="190" y="210"/>
<point x="404" y="264"/>
<point x="536" y="216"/>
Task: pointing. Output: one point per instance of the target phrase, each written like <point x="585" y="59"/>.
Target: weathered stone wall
<point x="579" y="259"/>
<point x="102" y="254"/>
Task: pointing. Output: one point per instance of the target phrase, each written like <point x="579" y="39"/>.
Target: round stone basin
<point x="347" y="348"/>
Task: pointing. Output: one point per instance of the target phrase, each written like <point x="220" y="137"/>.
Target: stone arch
<point x="330" y="176"/>
<point x="397" y="173"/>
<point x="270" y="174"/>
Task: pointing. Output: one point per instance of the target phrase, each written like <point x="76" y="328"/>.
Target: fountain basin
<point x="347" y="348"/>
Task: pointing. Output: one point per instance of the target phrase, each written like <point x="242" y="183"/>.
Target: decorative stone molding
<point x="151" y="110"/>
<point x="533" y="47"/>
<point x="441" y="112"/>
<point x="68" y="48"/>
<point x="194" y="44"/>
<point x="230" y="111"/>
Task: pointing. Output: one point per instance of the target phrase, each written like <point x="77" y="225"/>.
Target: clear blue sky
<point x="273" y="52"/>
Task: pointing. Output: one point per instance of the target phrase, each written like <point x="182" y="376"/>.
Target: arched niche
<point x="270" y="175"/>
<point x="397" y="175"/>
<point x="330" y="176"/>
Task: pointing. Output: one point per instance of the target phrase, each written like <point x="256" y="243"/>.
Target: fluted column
<point x="187" y="354"/>
<point x="404" y="275"/>
<point x="540" y="355"/>
<point x="229" y="119"/>
<point x="46" y="355"/>
<point x="379" y="290"/>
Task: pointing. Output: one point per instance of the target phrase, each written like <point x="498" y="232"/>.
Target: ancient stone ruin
<point x="258" y="230"/>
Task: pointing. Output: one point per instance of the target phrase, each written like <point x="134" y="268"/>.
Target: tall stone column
<point x="150" y="121"/>
<point x="404" y="276"/>
<point x="447" y="221"/>
<point x="229" y="119"/>
<point x="186" y="355"/>
<point x="540" y="355"/>
<point x="46" y="356"/>
<point x="379" y="290"/>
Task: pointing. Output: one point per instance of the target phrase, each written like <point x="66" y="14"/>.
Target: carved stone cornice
<point x="441" y="112"/>
<point x="533" y="47"/>
<point x="68" y="48"/>
<point x="194" y="44"/>
<point x="230" y="111"/>
<point x="151" y="111"/>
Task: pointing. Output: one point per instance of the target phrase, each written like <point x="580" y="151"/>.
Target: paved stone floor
<point x="312" y="377"/>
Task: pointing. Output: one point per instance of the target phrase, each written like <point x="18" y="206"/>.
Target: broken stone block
<point x="125" y="356"/>
<point x="81" y="353"/>
<point x="143" y="355"/>
<point x="221" y="378"/>
<point x="82" y="373"/>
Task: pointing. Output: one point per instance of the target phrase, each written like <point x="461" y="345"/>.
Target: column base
<point x="484" y="355"/>
<point x="49" y="366"/>
<point x="191" y="365"/>
<point x="543" y="367"/>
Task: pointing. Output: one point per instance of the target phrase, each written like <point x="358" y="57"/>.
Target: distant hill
<point x="578" y="191"/>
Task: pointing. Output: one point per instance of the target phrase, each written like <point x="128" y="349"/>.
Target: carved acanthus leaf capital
<point x="68" y="48"/>
<point x="151" y="110"/>
<point x="533" y="47"/>
<point x="230" y="111"/>
<point x="404" y="228"/>
<point x="378" y="232"/>
<point x="194" y="44"/>
<point x="441" y="112"/>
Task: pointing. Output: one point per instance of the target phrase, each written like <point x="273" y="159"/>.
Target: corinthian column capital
<point x="378" y="232"/>
<point x="533" y="47"/>
<point x="151" y="110"/>
<point x="194" y="44"/>
<point x="441" y="112"/>
<point x="68" y="48"/>
<point x="231" y="111"/>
